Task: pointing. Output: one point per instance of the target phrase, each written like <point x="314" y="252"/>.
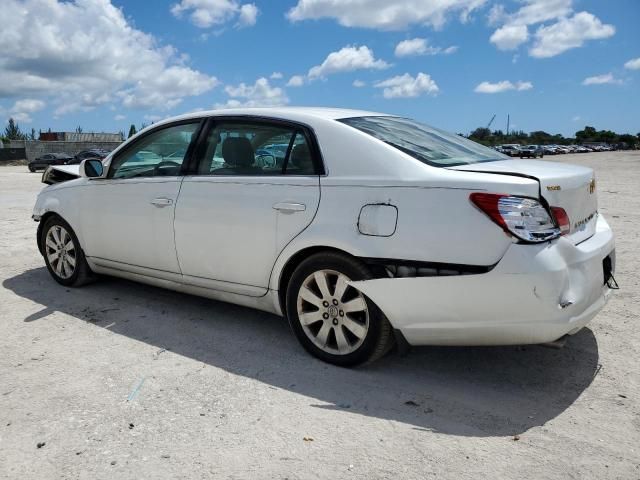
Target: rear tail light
<point x="562" y="219"/>
<point x="524" y="218"/>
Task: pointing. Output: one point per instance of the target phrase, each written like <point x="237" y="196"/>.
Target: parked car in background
<point x="550" y="150"/>
<point x="338" y="239"/>
<point x="91" y="153"/>
<point x="513" y="149"/>
<point x="48" y="159"/>
<point x="531" y="151"/>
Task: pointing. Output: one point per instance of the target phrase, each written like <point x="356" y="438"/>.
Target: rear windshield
<point x="429" y="145"/>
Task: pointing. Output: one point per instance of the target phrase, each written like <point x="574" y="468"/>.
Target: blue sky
<point x="553" y="65"/>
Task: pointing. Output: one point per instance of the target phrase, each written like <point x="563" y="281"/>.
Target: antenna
<point x="491" y="121"/>
<point x="508" y="124"/>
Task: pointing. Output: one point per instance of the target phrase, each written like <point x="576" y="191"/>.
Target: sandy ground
<point x="119" y="380"/>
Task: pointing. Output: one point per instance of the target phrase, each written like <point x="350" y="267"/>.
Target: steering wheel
<point x="165" y="163"/>
<point x="267" y="160"/>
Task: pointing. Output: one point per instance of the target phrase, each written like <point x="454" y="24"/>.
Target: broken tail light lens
<point x="562" y="219"/>
<point x="524" y="218"/>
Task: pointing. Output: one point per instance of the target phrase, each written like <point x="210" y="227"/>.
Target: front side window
<point x="160" y="153"/>
<point x="429" y="145"/>
<point x="247" y="148"/>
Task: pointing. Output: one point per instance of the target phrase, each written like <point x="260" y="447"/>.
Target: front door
<point x="127" y="217"/>
<point x="255" y="188"/>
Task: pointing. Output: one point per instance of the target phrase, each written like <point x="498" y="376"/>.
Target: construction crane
<point x="491" y="121"/>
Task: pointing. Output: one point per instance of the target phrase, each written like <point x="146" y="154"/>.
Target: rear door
<point x="254" y="187"/>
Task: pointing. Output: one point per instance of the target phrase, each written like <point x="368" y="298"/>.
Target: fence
<point x="32" y="149"/>
<point x="10" y="154"/>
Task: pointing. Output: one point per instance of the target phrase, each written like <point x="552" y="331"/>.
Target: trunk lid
<point x="570" y="187"/>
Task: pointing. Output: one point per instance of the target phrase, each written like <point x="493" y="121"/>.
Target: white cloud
<point x="384" y="14"/>
<point x="276" y="76"/>
<point x="260" y="94"/>
<point x="569" y="33"/>
<point x="549" y="40"/>
<point x="86" y="54"/>
<point x="207" y="13"/>
<point x="496" y="15"/>
<point x="420" y="46"/>
<point x="296" y="81"/>
<point x="510" y="37"/>
<point x="633" y="64"/>
<point x="21" y="117"/>
<point x="538" y="11"/>
<point x="248" y="15"/>
<point x="359" y="84"/>
<point x="28" y="105"/>
<point x="415" y="46"/>
<point x="503" y="86"/>
<point x="21" y="109"/>
<point x="348" y="59"/>
<point x="119" y="118"/>
<point x="576" y="118"/>
<point x="604" y="79"/>
<point x="406" y="86"/>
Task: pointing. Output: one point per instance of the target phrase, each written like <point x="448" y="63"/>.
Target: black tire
<point x="31" y="169"/>
<point x="378" y="339"/>
<point x="82" y="273"/>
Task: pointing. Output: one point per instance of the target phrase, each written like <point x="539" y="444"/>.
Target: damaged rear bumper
<point x="535" y="294"/>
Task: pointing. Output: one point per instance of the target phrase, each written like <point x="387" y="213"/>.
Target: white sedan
<point x="363" y="229"/>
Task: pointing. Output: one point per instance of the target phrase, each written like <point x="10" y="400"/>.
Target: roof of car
<point x="301" y="114"/>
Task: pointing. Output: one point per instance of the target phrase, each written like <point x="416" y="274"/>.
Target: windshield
<point x="429" y="145"/>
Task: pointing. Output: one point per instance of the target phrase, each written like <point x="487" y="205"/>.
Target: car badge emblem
<point x="553" y="188"/>
<point x="592" y="185"/>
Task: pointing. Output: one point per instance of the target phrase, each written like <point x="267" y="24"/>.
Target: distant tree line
<point x="12" y="131"/>
<point x="482" y="135"/>
<point x="540" y="137"/>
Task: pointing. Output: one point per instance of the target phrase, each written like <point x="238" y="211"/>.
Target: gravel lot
<point x="120" y="380"/>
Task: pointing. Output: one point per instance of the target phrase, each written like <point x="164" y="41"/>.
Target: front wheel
<point x="62" y="253"/>
<point x="31" y="169"/>
<point x="332" y="320"/>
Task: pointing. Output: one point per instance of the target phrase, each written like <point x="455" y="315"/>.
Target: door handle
<point x="288" y="207"/>
<point x="161" y="202"/>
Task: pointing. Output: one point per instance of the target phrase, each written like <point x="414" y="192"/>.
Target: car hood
<point x="60" y="173"/>
<point x="571" y="187"/>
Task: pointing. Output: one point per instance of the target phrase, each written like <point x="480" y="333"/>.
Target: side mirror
<point x="91" y="168"/>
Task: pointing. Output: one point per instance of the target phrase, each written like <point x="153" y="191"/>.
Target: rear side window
<point x="429" y="145"/>
<point x="248" y="148"/>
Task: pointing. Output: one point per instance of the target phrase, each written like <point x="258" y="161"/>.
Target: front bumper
<point x="535" y="294"/>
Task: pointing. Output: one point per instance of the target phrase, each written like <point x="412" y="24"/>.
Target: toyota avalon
<point x="367" y="230"/>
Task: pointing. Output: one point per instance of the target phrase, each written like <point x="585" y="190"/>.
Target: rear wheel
<point x="31" y="169"/>
<point x="62" y="253"/>
<point x="332" y="320"/>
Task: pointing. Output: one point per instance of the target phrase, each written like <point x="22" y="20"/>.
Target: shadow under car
<point x="488" y="391"/>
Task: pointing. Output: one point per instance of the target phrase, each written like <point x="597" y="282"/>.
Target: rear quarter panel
<point x="436" y="221"/>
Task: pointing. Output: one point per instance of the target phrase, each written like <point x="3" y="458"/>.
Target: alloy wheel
<point x="60" y="251"/>
<point x="333" y="315"/>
